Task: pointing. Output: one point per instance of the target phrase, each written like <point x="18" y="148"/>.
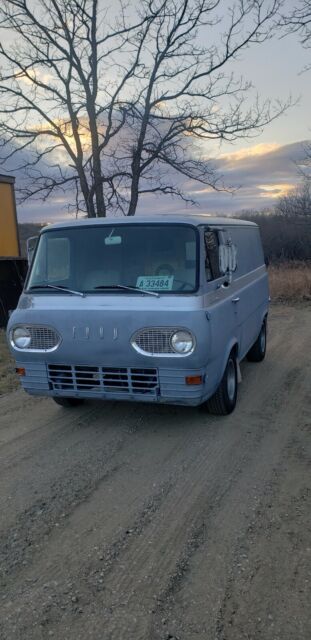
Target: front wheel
<point x="258" y="350"/>
<point x="68" y="402"/>
<point x="224" y="400"/>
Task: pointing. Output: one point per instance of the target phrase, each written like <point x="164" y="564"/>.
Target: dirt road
<point x="142" y="522"/>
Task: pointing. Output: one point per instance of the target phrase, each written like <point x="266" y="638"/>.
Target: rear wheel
<point x="224" y="400"/>
<point x="68" y="402"/>
<point x="258" y="350"/>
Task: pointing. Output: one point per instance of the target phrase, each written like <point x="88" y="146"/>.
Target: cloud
<point x="262" y="173"/>
<point x="259" y="175"/>
<point x="275" y="190"/>
<point x="34" y="74"/>
<point x="249" y="152"/>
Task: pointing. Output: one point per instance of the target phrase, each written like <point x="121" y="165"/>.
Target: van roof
<point x="193" y="219"/>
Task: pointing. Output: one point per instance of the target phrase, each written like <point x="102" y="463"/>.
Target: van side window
<point x="211" y="255"/>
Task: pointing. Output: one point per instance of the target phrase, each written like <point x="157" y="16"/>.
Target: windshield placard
<point x="155" y="283"/>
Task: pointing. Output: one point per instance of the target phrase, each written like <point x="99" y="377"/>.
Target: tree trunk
<point x="89" y="204"/>
<point x="135" y="183"/>
<point x="134" y="191"/>
<point x="98" y="188"/>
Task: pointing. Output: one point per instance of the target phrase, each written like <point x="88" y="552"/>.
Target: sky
<point x="259" y="169"/>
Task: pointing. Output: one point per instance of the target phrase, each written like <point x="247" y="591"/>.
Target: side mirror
<point x="31" y="247"/>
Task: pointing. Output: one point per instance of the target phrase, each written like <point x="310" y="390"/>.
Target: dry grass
<point x="290" y="282"/>
<point x="8" y="377"/>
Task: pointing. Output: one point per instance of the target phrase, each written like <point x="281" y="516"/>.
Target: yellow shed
<point x="9" y="242"/>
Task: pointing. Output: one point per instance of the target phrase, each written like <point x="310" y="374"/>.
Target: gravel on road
<point x="124" y="521"/>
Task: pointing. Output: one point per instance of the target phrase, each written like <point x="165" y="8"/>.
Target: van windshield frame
<point x="185" y="242"/>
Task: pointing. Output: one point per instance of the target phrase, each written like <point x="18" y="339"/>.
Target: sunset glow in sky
<point x="258" y="169"/>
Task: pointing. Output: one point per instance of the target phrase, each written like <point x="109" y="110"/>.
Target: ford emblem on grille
<point x="85" y="333"/>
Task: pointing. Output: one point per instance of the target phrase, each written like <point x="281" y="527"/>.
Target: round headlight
<point x="21" y="337"/>
<point x="182" y="342"/>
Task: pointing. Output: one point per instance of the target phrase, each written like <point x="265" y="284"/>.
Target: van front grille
<point x="102" y="379"/>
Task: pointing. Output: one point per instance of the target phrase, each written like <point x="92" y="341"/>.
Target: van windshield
<point x="150" y="257"/>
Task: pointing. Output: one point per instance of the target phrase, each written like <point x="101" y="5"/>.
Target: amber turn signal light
<point x="20" y="371"/>
<point x="194" y="379"/>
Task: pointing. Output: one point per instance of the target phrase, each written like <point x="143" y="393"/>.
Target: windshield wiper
<point x="124" y="287"/>
<point x="59" y="287"/>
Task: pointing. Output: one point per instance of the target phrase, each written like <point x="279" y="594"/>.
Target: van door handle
<point x="235" y="299"/>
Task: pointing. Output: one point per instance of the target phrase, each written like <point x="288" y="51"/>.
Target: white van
<point x="154" y="309"/>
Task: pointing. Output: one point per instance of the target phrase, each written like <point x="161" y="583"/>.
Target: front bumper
<point x="139" y="384"/>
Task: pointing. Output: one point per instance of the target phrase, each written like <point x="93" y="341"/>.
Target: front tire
<point x="68" y="402"/>
<point x="224" y="400"/>
<point x="258" y="350"/>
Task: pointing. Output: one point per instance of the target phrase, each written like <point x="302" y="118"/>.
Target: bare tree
<point x="49" y="92"/>
<point x="299" y="21"/>
<point x="113" y="105"/>
<point x="304" y="166"/>
<point x="296" y="204"/>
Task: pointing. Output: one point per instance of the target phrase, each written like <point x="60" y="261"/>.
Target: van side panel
<point x="250" y="285"/>
<point x="224" y="334"/>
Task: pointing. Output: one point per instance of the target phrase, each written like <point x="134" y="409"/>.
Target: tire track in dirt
<point x="170" y="485"/>
<point x="196" y="501"/>
<point x="288" y="379"/>
<point x="63" y="492"/>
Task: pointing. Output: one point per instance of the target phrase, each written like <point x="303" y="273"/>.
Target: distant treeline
<point x="283" y="238"/>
